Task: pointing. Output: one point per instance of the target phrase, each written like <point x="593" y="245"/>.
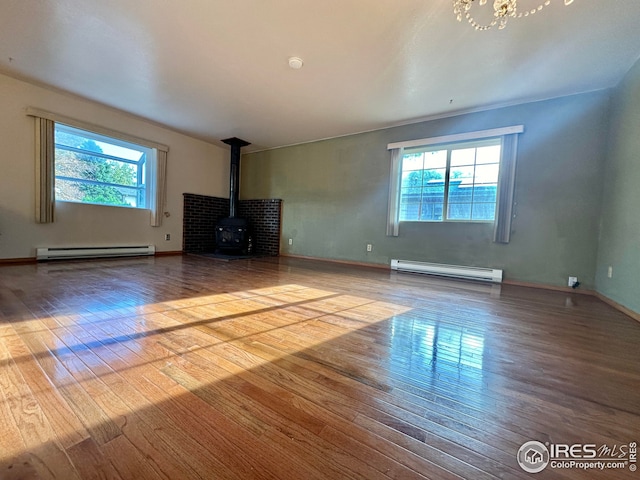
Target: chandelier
<point x="502" y="11"/>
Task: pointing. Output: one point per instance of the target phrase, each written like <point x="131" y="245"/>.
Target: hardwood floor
<point x="188" y="367"/>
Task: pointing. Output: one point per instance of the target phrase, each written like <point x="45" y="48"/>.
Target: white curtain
<point x="45" y="170"/>
<point x="393" y="214"/>
<point x="506" y="190"/>
<point x="159" y="189"/>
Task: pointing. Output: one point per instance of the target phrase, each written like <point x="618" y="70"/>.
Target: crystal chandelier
<point x="502" y="11"/>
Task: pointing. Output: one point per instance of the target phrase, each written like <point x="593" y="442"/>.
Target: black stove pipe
<point x="234" y="177"/>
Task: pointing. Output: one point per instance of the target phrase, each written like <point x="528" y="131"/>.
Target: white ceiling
<point x="218" y="68"/>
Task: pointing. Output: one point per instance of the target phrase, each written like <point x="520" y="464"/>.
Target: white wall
<point x="194" y="166"/>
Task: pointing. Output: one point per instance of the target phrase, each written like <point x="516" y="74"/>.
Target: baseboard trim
<point x="545" y="286"/>
<point x="17" y="261"/>
<point x="341" y="262"/>
<point x="619" y="307"/>
<point x="169" y="253"/>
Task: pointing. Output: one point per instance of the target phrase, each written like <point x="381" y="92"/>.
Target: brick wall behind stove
<point x="201" y="213"/>
<point x="264" y="216"/>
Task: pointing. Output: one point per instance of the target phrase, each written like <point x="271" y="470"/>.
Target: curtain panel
<point x="45" y="171"/>
<point x="393" y="213"/>
<point x="159" y="189"/>
<point x="506" y="190"/>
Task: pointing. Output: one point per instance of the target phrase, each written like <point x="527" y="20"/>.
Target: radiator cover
<point x="59" y="253"/>
<point x="453" y="271"/>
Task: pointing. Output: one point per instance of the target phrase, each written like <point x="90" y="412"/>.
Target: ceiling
<point x="218" y="68"/>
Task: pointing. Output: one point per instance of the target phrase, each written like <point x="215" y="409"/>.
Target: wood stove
<point x="233" y="234"/>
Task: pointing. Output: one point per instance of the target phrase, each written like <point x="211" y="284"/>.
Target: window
<point x="94" y="168"/>
<point x="463" y="177"/>
<point x="452" y="182"/>
<point x="81" y="162"/>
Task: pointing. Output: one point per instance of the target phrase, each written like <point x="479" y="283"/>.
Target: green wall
<point x="335" y="194"/>
<point x="620" y="233"/>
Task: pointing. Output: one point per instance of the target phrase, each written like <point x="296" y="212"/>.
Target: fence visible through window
<point x="455" y="182"/>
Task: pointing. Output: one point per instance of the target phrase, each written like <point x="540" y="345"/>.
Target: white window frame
<point x="447" y="179"/>
<point x="506" y="180"/>
<point x="144" y="178"/>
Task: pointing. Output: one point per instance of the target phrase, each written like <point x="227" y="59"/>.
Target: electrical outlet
<point x="572" y="281"/>
<point x="610" y="272"/>
<point x="167" y="236"/>
<point x="291" y="241"/>
<point x="369" y="247"/>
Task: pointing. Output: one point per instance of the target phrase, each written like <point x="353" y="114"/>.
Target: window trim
<point x="457" y="137"/>
<point x="107" y="132"/>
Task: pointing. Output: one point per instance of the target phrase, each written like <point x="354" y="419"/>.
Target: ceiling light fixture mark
<point x="295" y="63"/>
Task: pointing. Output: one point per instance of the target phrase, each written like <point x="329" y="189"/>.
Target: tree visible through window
<point x="92" y="168"/>
<point x="455" y="182"/>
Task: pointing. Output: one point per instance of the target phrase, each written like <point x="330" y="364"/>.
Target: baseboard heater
<point x="454" y="271"/>
<point x="59" y="253"/>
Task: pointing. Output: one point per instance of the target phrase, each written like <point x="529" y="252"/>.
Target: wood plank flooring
<point x="192" y="368"/>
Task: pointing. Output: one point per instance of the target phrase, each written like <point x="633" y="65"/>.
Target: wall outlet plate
<point x="167" y="236"/>
<point x="572" y="281"/>
<point x="369" y="247"/>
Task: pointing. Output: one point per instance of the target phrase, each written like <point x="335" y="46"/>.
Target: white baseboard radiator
<point x="454" y="271"/>
<point x="59" y="253"/>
